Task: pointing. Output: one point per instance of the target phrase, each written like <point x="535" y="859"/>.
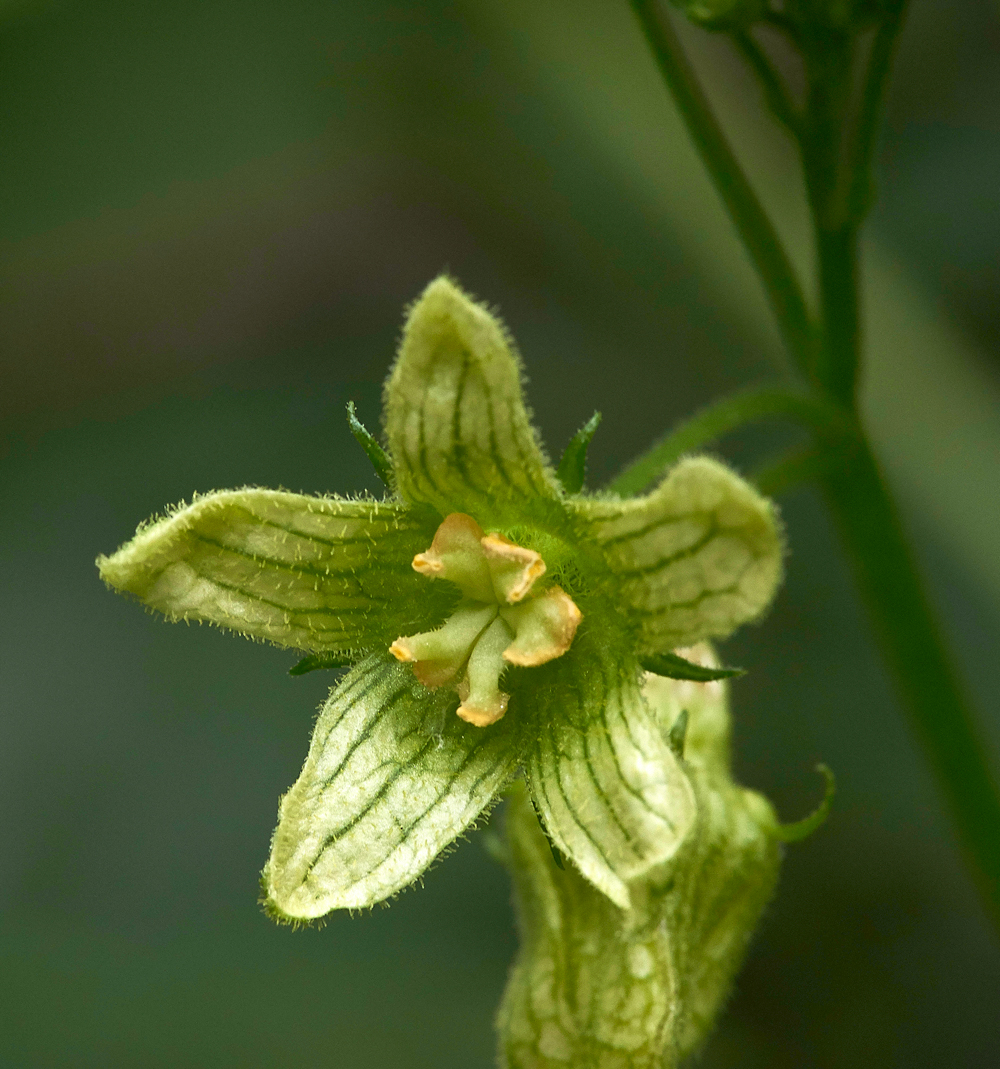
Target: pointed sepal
<point x="673" y="666"/>
<point x="572" y="470"/>
<point x="373" y="450"/>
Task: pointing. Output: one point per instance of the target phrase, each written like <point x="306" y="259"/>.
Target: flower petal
<point x="392" y="777"/>
<point x="314" y="573"/>
<point x="696" y="558"/>
<point x="457" y="427"/>
<point x="591" y="985"/>
<point x="611" y="792"/>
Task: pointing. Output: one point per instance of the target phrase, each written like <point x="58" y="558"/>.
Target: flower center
<point x="501" y="619"/>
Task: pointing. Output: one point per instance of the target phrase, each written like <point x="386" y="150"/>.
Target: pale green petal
<point x="590" y="987"/>
<point x="605" y="988"/>
<point x="696" y="558"/>
<point x="611" y="792"/>
<point x="712" y="893"/>
<point x="313" y="573"/>
<point x="458" y="431"/>
<point x="392" y="777"/>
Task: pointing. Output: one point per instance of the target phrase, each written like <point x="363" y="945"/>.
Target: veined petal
<point x="457" y="427"/>
<point x="392" y="777"/>
<point x="611" y="792"/>
<point x="592" y="985"/>
<point x="313" y="573"/>
<point x="696" y="558"/>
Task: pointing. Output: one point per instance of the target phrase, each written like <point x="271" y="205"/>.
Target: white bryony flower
<point x="496" y="620"/>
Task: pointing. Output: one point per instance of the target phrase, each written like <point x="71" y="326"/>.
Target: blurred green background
<point x="213" y="216"/>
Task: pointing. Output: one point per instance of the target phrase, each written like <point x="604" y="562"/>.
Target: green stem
<point x="883" y="49"/>
<point x="912" y="645"/>
<point x="826" y="159"/>
<point x="838" y="357"/>
<point x="747" y="406"/>
<point x="749" y="218"/>
<point x="837" y="171"/>
<point x="775" y="93"/>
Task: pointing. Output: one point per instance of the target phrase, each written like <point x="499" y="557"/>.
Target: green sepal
<point x="673" y="666"/>
<point x="316" y="661"/>
<point x="798" y="830"/>
<point x="677" y="735"/>
<point x="375" y="453"/>
<point x="572" y="468"/>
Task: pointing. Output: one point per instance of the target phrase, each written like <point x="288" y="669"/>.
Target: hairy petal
<point x="611" y="791"/>
<point x="712" y="893"/>
<point x="606" y="988"/>
<point x="590" y="986"/>
<point x="696" y="558"/>
<point x="313" y="573"/>
<point x="392" y="777"/>
<point x="457" y="427"/>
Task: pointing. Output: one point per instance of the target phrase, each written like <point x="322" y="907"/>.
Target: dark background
<point x="212" y="217"/>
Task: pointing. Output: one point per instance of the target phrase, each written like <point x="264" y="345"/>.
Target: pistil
<point x="501" y="620"/>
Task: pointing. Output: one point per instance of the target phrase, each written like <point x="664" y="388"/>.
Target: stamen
<point x="456" y="554"/>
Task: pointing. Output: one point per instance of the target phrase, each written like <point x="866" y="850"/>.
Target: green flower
<point x="594" y="986"/>
<point x="479" y="572"/>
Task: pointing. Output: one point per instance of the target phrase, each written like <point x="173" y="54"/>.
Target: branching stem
<point x="836" y="141"/>
<point x="751" y="221"/>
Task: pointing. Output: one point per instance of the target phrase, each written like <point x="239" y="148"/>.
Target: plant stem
<point x="883" y="49"/>
<point x="912" y="646"/>
<point x="749" y="218"/>
<point x="826" y="158"/>
<point x="838" y="356"/>
<point x="747" y="406"/>
<point x="837" y="170"/>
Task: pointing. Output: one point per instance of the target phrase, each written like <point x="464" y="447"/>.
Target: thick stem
<point x="751" y="221"/>
<point x="911" y="643"/>
<point x="838" y="356"/>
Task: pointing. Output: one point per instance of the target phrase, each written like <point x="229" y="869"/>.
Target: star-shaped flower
<point x="480" y="587"/>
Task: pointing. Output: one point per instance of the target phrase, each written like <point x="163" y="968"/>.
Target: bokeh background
<point x="213" y="214"/>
